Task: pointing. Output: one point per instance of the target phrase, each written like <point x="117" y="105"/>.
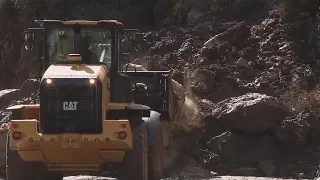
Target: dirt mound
<point x="26" y="94"/>
<point x="247" y="72"/>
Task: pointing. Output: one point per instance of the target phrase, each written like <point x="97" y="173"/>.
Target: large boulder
<point x="7" y="96"/>
<point x="242" y="150"/>
<point x="29" y="86"/>
<point x="251" y="113"/>
<point x="235" y="35"/>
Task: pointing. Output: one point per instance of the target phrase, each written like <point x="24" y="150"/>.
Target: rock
<point x="304" y="77"/>
<point x="312" y="174"/>
<point x="234" y="36"/>
<point x="5" y="116"/>
<point x="241" y="149"/>
<point x="247" y="74"/>
<point x="28" y="87"/>
<point x="165" y="45"/>
<point x="214" y="41"/>
<point x="299" y="175"/>
<point x="193" y="16"/>
<point x="133" y="67"/>
<point x="245" y="171"/>
<point x="202" y="80"/>
<point x="251" y="113"/>
<point x="268" y="168"/>
<point x="210" y="52"/>
<point x="7" y="96"/>
<point x="242" y="62"/>
<point x="187" y="48"/>
<point x="299" y="130"/>
<point x="154" y="63"/>
<point x="198" y="9"/>
<point x="225" y="87"/>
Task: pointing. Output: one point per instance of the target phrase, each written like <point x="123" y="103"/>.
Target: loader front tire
<point x="135" y="162"/>
<point x="17" y="169"/>
<point x="156" y="155"/>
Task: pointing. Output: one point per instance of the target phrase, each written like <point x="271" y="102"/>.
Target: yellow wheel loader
<point x="93" y="117"/>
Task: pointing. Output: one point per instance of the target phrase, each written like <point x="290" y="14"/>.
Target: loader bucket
<point x="186" y="113"/>
<point x="184" y="118"/>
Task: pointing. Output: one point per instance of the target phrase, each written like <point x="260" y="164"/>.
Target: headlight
<point x="48" y="81"/>
<point x="92" y="81"/>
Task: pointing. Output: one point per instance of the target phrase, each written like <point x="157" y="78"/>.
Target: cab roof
<point x="116" y="23"/>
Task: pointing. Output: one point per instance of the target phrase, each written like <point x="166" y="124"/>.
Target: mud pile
<point x="252" y="87"/>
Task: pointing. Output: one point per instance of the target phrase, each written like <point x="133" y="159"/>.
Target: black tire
<point x="135" y="162"/>
<point x="17" y="169"/>
<point x="156" y="156"/>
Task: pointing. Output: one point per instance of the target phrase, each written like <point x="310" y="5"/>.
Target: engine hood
<point x="76" y="71"/>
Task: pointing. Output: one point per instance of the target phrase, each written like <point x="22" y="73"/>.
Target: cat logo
<point x="70" y="105"/>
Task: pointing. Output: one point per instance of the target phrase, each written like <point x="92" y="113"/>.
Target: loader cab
<point x="99" y="42"/>
<point x="96" y="41"/>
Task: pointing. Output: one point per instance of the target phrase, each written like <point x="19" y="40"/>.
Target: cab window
<point x="94" y="45"/>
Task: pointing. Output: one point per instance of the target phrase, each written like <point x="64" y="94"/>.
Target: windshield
<point x="94" y="45"/>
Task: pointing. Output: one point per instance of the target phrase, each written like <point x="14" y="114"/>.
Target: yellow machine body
<point x="71" y="152"/>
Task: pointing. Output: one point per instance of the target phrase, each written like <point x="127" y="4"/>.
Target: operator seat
<point x="88" y="56"/>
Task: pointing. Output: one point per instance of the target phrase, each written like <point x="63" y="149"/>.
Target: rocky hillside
<point x="249" y="70"/>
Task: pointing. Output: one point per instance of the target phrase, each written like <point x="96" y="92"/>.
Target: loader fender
<point x="153" y="124"/>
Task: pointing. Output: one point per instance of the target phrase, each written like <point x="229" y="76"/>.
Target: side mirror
<point x="29" y="40"/>
<point x="133" y="38"/>
<point x="134" y="42"/>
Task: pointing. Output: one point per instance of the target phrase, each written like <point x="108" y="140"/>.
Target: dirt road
<point x="178" y="178"/>
<point x="188" y="172"/>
